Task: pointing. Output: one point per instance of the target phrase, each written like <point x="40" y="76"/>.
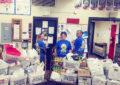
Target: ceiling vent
<point x="50" y="3"/>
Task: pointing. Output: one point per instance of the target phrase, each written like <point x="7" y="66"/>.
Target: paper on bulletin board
<point x="16" y="31"/>
<point x="38" y="30"/>
<point x="45" y="24"/>
<point x="50" y="40"/>
<point x="51" y="30"/>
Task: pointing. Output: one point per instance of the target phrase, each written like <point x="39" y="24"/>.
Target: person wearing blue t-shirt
<point x="41" y="45"/>
<point x="63" y="46"/>
<point x="79" y="43"/>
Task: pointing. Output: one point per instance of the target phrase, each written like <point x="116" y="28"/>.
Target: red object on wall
<point x="2" y="1"/>
<point x="6" y="1"/>
<point x="112" y="42"/>
<point x="9" y="1"/>
<point x="72" y="21"/>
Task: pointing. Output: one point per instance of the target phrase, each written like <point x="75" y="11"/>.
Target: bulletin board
<point x="48" y="26"/>
<point x="15" y="7"/>
<point x="71" y="30"/>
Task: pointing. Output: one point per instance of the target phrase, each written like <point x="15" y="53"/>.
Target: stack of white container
<point x="97" y="72"/>
<point x="4" y="79"/>
<point x="28" y="68"/>
<point x="104" y="72"/>
<point x="114" y="75"/>
<point x="67" y="74"/>
<point x="33" y="68"/>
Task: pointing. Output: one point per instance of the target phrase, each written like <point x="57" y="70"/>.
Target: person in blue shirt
<point x="63" y="46"/>
<point x="79" y="43"/>
<point x="41" y="46"/>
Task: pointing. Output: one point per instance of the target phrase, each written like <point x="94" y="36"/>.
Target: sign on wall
<point x="86" y="4"/>
<point x="102" y="4"/>
<point x="6" y="1"/>
<point x="7" y="8"/>
<point x="19" y="7"/>
<point x="116" y="5"/>
<point x="109" y="4"/>
<point x="23" y="7"/>
<point x="94" y="4"/>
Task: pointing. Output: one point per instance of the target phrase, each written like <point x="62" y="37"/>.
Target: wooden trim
<point x="20" y="32"/>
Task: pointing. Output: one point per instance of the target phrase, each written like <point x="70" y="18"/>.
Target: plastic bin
<point x="35" y="78"/>
<point x="4" y="81"/>
<point x="11" y="69"/>
<point x="69" y="78"/>
<point x="7" y="57"/>
<point x="3" y="68"/>
<point x="73" y="64"/>
<point x="84" y="81"/>
<point x="21" y="80"/>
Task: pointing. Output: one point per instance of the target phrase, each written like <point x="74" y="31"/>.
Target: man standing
<point x="79" y="43"/>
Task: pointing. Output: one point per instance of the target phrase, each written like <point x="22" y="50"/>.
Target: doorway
<point x="94" y="43"/>
<point x="46" y="25"/>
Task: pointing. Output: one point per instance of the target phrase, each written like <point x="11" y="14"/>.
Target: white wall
<point x="103" y="32"/>
<point x="64" y="9"/>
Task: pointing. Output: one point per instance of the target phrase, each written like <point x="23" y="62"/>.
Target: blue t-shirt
<point x="79" y="45"/>
<point x="42" y="53"/>
<point x="63" y="47"/>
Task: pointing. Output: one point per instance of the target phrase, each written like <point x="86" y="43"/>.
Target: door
<point x="91" y="37"/>
<point x="112" y="42"/>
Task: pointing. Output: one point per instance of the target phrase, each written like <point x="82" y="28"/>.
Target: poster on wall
<point x="7" y="7"/>
<point x="71" y="30"/>
<point x="102" y="4"/>
<point x="109" y="4"/>
<point x="78" y="3"/>
<point x="6" y="1"/>
<point x="23" y="7"/>
<point x="94" y="4"/>
<point x="116" y="5"/>
<point x="86" y="4"/>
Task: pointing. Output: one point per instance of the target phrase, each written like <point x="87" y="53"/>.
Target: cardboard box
<point x="84" y="81"/>
<point x="83" y="64"/>
<point x="83" y="72"/>
<point x="69" y="78"/>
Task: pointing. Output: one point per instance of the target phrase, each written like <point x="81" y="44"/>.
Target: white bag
<point x="96" y="67"/>
<point x="114" y="72"/>
<point x="112" y="82"/>
<point x="56" y="76"/>
<point x="99" y="80"/>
